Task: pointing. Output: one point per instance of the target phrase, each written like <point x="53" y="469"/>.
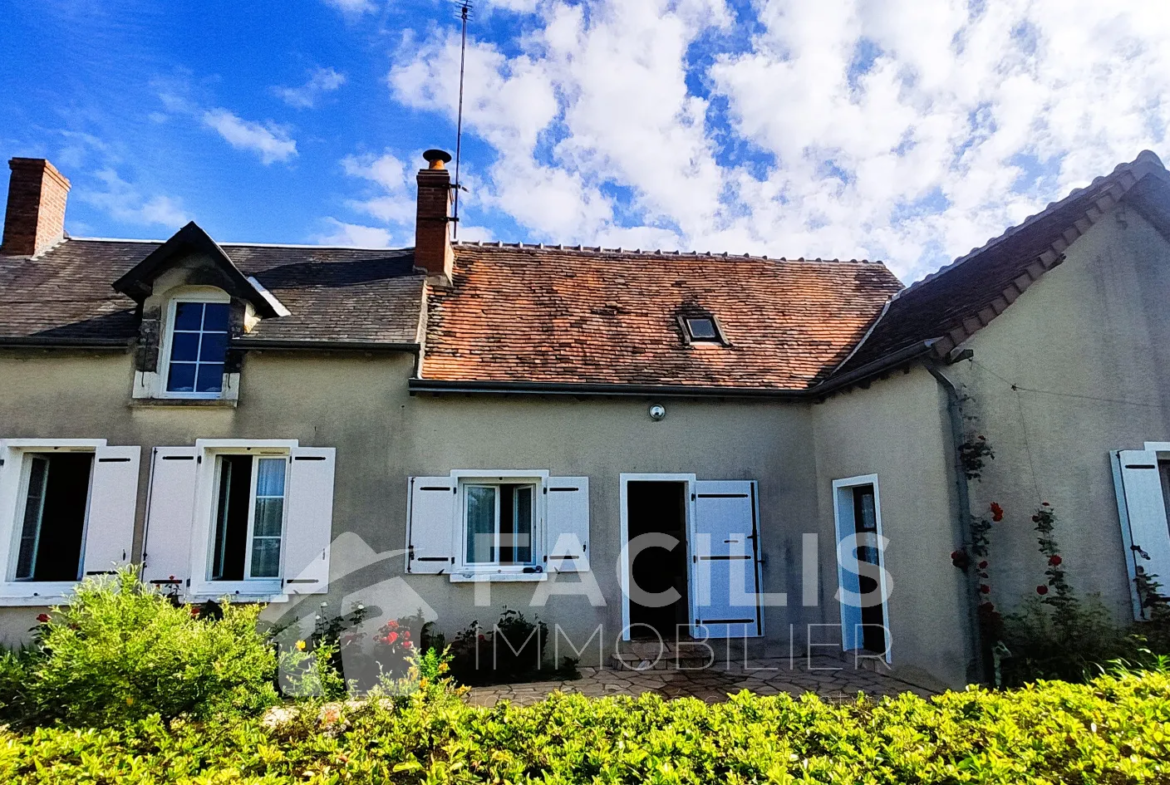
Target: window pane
<point x="181" y="377"/>
<point x="185" y="347"/>
<point x="215" y="317"/>
<point x="481" y="524"/>
<point x="214" y="348"/>
<point x="270" y="479"/>
<point x="210" y="378"/>
<point x="522" y="530"/>
<point x="701" y="328"/>
<point x="269" y="515"/>
<point x="266" y="557"/>
<point x="33" y="508"/>
<point x="188" y="316"/>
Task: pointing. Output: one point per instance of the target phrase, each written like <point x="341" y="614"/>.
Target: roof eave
<point x="575" y="389"/>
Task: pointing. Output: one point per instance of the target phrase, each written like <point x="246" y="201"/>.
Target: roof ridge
<point x="1145" y="160"/>
<point x="244" y="245"/>
<point x="621" y="251"/>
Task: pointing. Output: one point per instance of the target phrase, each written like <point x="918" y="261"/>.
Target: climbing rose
<point x="996" y="512"/>
<point x="1041" y="590"/>
<point x="1045" y="504"/>
<point x="392" y="637"/>
<point x="1055" y="560"/>
<point x="983" y="565"/>
<point x="985" y="588"/>
<point x="43" y="618"/>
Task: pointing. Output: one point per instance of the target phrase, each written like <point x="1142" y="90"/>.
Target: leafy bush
<point x="121" y="651"/>
<point x="514" y="649"/>
<point x="1113" y="730"/>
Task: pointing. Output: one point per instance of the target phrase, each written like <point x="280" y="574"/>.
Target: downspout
<point x="977" y="669"/>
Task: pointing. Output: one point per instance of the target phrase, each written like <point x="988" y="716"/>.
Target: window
<point x="701" y="328"/>
<point x="1164" y="470"/>
<point x="198" y="348"/>
<point x="499" y="524"/>
<point x="249" y="517"/>
<point x="52" y="520"/>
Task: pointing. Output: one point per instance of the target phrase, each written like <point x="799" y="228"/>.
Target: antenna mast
<point x="464" y="8"/>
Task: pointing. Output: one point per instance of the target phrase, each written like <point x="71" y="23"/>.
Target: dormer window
<point x="198" y="348"/>
<point x="701" y="328"/>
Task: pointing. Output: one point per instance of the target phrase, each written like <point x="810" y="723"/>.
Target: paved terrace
<point x="834" y="678"/>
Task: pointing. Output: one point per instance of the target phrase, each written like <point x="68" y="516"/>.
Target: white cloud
<point x="392" y="200"/>
<point x="890" y="129"/>
<point x="347" y="234"/>
<point x="321" y="81"/>
<point x="126" y="203"/>
<point x="269" y="141"/>
<point x="352" y="7"/>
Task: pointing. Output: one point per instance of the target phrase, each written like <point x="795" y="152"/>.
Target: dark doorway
<point x="658" y="508"/>
<point x="873" y="617"/>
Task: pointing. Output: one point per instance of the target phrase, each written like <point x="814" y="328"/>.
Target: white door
<point x="725" y="561"/>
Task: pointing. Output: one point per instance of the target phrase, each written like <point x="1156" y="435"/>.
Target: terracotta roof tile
<point x="552" y="315"/>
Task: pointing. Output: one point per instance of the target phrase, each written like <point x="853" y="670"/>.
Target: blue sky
<point x="889" y="129"/>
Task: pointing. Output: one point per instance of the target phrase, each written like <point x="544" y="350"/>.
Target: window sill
<point x="213" y="403"/>
<point x="237" y="597"/>
<point x="18" y="594"/>
<point x="472" y="576"/>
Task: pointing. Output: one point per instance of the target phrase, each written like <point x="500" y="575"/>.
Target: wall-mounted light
<point x="657" y="412"/>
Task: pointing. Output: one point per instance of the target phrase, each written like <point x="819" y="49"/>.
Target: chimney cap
<point x="437" y="158"/>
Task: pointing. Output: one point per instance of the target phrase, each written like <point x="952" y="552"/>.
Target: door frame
<point x="840" y="486"/>
<point x="688" y="481"/>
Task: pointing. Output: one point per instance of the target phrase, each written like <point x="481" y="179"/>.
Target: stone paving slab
<point x="829" y="677"/>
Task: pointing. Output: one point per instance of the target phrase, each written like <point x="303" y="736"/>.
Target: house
<point x="627" y="443"/>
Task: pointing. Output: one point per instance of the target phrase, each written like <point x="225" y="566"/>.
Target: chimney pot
<point x="437" y="158"/>
<point x="35" y="217"/>
<point x="432" y="228"/>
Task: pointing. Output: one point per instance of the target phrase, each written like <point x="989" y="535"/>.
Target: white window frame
<point x="206" y="509"/>
<point x="252" y="499"/>
<point x="29" y="592"/>
<point x="205" y="295"/>
<point x="534" y="570"/>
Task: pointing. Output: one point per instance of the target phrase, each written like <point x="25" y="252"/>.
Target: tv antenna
<point x="464" y="13"/>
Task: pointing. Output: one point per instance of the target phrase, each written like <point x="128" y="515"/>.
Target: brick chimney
<point x="35" y="219"/>
<point x="432" y="228"/>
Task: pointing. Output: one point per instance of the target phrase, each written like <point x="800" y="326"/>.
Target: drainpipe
<point x="976" y="670"/>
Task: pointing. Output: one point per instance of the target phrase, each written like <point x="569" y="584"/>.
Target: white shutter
<point x="309" y="520"/>
<point x="113" y="504"/>
<point x="1142" y="511"/>
<point x="166" y="554"/>
<point x="567" y="524"/>
<point x="10" y="471"/>
<point x="430" y="532"/>
<point x="725" y="550"/>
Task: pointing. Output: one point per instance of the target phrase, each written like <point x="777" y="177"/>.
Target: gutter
<point x="977" y="668"/>
<point x="612" y="390"/>
<point x="260" y="344"/>
<point x="865" y="372"/>
<point x="47" y="342"/>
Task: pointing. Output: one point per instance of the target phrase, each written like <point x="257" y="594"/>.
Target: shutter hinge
<point x="198" y="459"/>
<point x="692" y="497"/>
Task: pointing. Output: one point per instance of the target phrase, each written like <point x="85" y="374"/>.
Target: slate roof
<point x="334" y="294"/>
<point x="597" y="317"/>
<point x="962" y="298"/>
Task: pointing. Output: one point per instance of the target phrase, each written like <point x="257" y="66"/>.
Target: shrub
<point x="1113" y="730"/>
<point x="514" y="649"/>
<point x="121" y="651"/>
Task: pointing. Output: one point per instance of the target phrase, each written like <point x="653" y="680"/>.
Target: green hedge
<point x="1112" y="730"/>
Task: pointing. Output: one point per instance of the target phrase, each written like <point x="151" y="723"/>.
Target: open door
<point x="860" y="571"/>
<point x="725" y="545"/>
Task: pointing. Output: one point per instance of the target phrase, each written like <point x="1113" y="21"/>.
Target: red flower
<point x="1045" y="504"/>
<point x="43" y="618"/>
<point x="392" y="624"/>
<point x="1055" y="560"/>
<point x="406" y="634"/>
<point x="987" y="607"/>
<point x="983" y="587"/>
<point x="407" y="645"/>
<point x="996" y="512"/>
<point x="1035" y="519"/>
<point x="1042" y="590"/>
<point x="955" y="555"/>
<point x="390" y="638"/>
<point x="983" y="565"/>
